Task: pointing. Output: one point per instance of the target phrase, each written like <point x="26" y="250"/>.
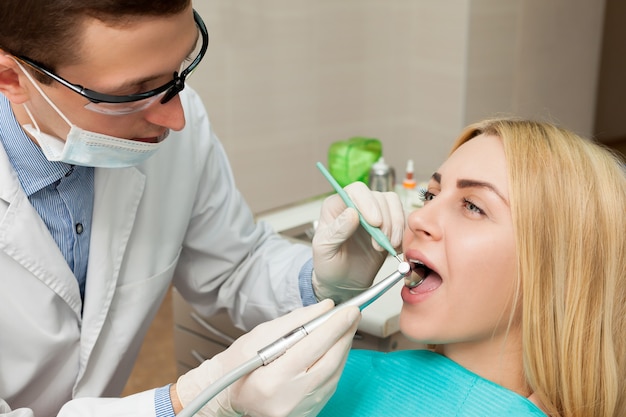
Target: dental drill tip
<point x="404" y="268"/>
<point x="399" y="258"/>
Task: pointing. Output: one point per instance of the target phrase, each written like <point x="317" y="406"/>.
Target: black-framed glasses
<point x="113" y="104"/>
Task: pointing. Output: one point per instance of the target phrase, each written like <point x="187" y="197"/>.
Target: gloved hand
<point x="299" y="383"/>
<point x="345" y="257"/>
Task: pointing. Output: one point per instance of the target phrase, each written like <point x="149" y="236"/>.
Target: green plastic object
<point x="350" y="160"/>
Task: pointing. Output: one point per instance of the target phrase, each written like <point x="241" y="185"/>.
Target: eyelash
<point x="425" y="196"/>
<point x="477" y="209"/>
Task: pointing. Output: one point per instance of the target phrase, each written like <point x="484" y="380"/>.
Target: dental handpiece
<point x="278" y="348"/>
<point x="362" y="300"/>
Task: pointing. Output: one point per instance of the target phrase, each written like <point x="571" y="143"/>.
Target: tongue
<point x="430" y="283"/>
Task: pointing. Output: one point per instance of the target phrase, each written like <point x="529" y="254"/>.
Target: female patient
<point x="522" y="245"/>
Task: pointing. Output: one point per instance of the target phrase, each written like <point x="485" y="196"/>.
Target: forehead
<point x="481" y="158"/>
<point x="146" y="45"/>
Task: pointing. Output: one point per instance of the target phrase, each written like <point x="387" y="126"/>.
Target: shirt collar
<point x="33" y="169"/>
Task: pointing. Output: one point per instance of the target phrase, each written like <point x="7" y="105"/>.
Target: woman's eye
<point x="473" y="207"/>
<point x="425" y="195"/>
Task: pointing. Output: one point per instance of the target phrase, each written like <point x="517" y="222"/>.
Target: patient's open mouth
<point x="419" y="272"/>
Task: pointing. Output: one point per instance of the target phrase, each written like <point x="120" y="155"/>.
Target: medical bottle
<point x="382" y="177"/>
<point x="409" y="194"/>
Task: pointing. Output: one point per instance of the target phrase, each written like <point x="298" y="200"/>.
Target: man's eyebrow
<point x="132" y="83"/>
<point x="145" y="80"/>
<point x="467" y="183"/>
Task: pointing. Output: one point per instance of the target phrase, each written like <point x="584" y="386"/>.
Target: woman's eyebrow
<point x="467" y="183"/>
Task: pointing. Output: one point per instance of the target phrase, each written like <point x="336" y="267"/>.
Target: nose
<point x="168" y="114"/>
<point x="426" y="222"/>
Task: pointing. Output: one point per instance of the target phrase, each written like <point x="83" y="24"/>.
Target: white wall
<point x="283" y="79"/>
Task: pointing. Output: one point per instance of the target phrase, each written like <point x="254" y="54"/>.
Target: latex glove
<point x="299" y="383"/>
<point x="345" y="257"/>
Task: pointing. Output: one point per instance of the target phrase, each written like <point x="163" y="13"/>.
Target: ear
<point x="11" y="81"/>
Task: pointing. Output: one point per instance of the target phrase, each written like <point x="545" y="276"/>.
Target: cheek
<point x="120" y="126"/>
<point x="66" y="100"/>
<point x="487" y="265"/>
<point x="486" y="248"/>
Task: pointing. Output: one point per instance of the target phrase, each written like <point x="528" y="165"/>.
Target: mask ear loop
<point x="32" y="119"/>
<point x="40" y="90"/>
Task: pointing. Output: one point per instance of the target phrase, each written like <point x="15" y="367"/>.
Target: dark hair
<point x="49" y="31"/>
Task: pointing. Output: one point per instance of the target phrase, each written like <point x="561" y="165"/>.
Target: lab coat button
<point x="79" y="228"/>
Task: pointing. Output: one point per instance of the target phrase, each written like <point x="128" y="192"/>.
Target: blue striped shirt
<point x="62" y="194"/>
<point x="162" y="402"/>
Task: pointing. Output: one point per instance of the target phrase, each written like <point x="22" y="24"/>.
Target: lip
<point x="414" y="254"/>
<point x="154" y="139"/>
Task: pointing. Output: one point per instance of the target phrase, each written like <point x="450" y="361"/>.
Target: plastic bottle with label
<point x="408" y="191"/>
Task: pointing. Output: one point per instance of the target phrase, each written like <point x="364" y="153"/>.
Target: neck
<point x="497" y="359"/>
<point x="22" y="118"/>
<point x="20" y="114"/>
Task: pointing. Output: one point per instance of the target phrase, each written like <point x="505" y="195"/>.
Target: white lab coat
<point x="177" y="218"/>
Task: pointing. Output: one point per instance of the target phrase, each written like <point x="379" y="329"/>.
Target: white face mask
<point x="86" y="148"/>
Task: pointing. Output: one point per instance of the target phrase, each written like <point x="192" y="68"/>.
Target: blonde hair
<point x="568" y="204"/>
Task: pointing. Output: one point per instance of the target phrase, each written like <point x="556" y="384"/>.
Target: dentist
<point x="113" y="186"/>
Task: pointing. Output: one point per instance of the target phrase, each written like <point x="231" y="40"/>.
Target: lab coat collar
<point x="25" y="238"/>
